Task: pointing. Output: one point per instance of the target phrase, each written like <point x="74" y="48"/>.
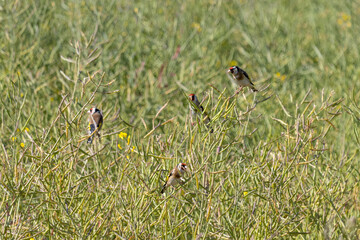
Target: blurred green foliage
<point x="281" y="163"/>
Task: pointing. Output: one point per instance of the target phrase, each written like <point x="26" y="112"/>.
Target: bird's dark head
<point x="192" y="97"/>
<point x="182" y="167"/>
<point x="234" y="70"/>
<point x="93" y="110"/>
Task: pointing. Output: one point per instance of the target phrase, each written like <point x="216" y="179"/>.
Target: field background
<point x="281" y="164"/>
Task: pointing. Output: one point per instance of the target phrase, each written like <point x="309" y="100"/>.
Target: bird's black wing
<point x="91" y="130"/>
<point x="92" y="127"/>
<point x="246" y="75"/>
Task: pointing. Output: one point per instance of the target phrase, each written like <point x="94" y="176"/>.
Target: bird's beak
<point x="229" y="71"/>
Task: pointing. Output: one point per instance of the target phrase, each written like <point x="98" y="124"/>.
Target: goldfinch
<point x="195" y="111"/>
<point x="95" y="123"/>
<point x="241" y="78"/>
<point x="175" y="176"/>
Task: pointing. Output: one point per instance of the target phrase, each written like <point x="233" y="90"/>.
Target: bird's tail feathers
<point x="163" y="189"/>
<point x="91" y="132"/>
<point x="207" y="121"/>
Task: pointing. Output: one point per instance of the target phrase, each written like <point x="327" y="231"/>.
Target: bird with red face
<point x="241" y="78"/>
<point x="175" y="176"/>
<point x="95" y="123"/>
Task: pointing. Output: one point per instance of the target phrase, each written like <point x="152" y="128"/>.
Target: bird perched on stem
<point x="175" y="176"/>
<point x="95" y="123"/>
<point x="195" y="111"/>
<point x="241" y="78"/>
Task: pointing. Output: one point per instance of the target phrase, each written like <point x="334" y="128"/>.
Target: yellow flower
<point x="280" y="76"/>
<point x="133" y="149"/>
<point x="340" y="21"/>
<point x="245" y="193"/>
<point x="345" y="17"/>
<point x="18" y="73"/>
<point x="13" y="139"/>
<point x="127" y="156"/>
<point x="18" y="130"/>
<point x="122" y="135"/>
<point x="136" y="10"/>
<point x="21" y="94"/>
<point x="119" y="146"/>
<point x="128" y="140"/>
<point x="51" y="99"/>
<point x="27" y="129"/>
<point x="233" y="63"/>
<point x="344" y="20"/>
<point x="22" y="145"/>
<point x="196" y="26"/>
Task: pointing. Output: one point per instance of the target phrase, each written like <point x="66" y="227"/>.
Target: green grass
<point x="281" y="164"/>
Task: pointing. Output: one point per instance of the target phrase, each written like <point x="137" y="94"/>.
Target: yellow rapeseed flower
<point x="13" y="139"/>
<point x="119" y="146"/>
<point x="22" y="145"/>
<point x="345" y="17"/>
<point x="245" y="193"/>
<point x="196" y="26"/>
<point x="233" y="63"/>
<point x="280" y="76"/>
<point x="344" y="20"/>
<point x="122" y="135"/>
<point x="128" y="140"/>
<point x="27" y="129"/>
